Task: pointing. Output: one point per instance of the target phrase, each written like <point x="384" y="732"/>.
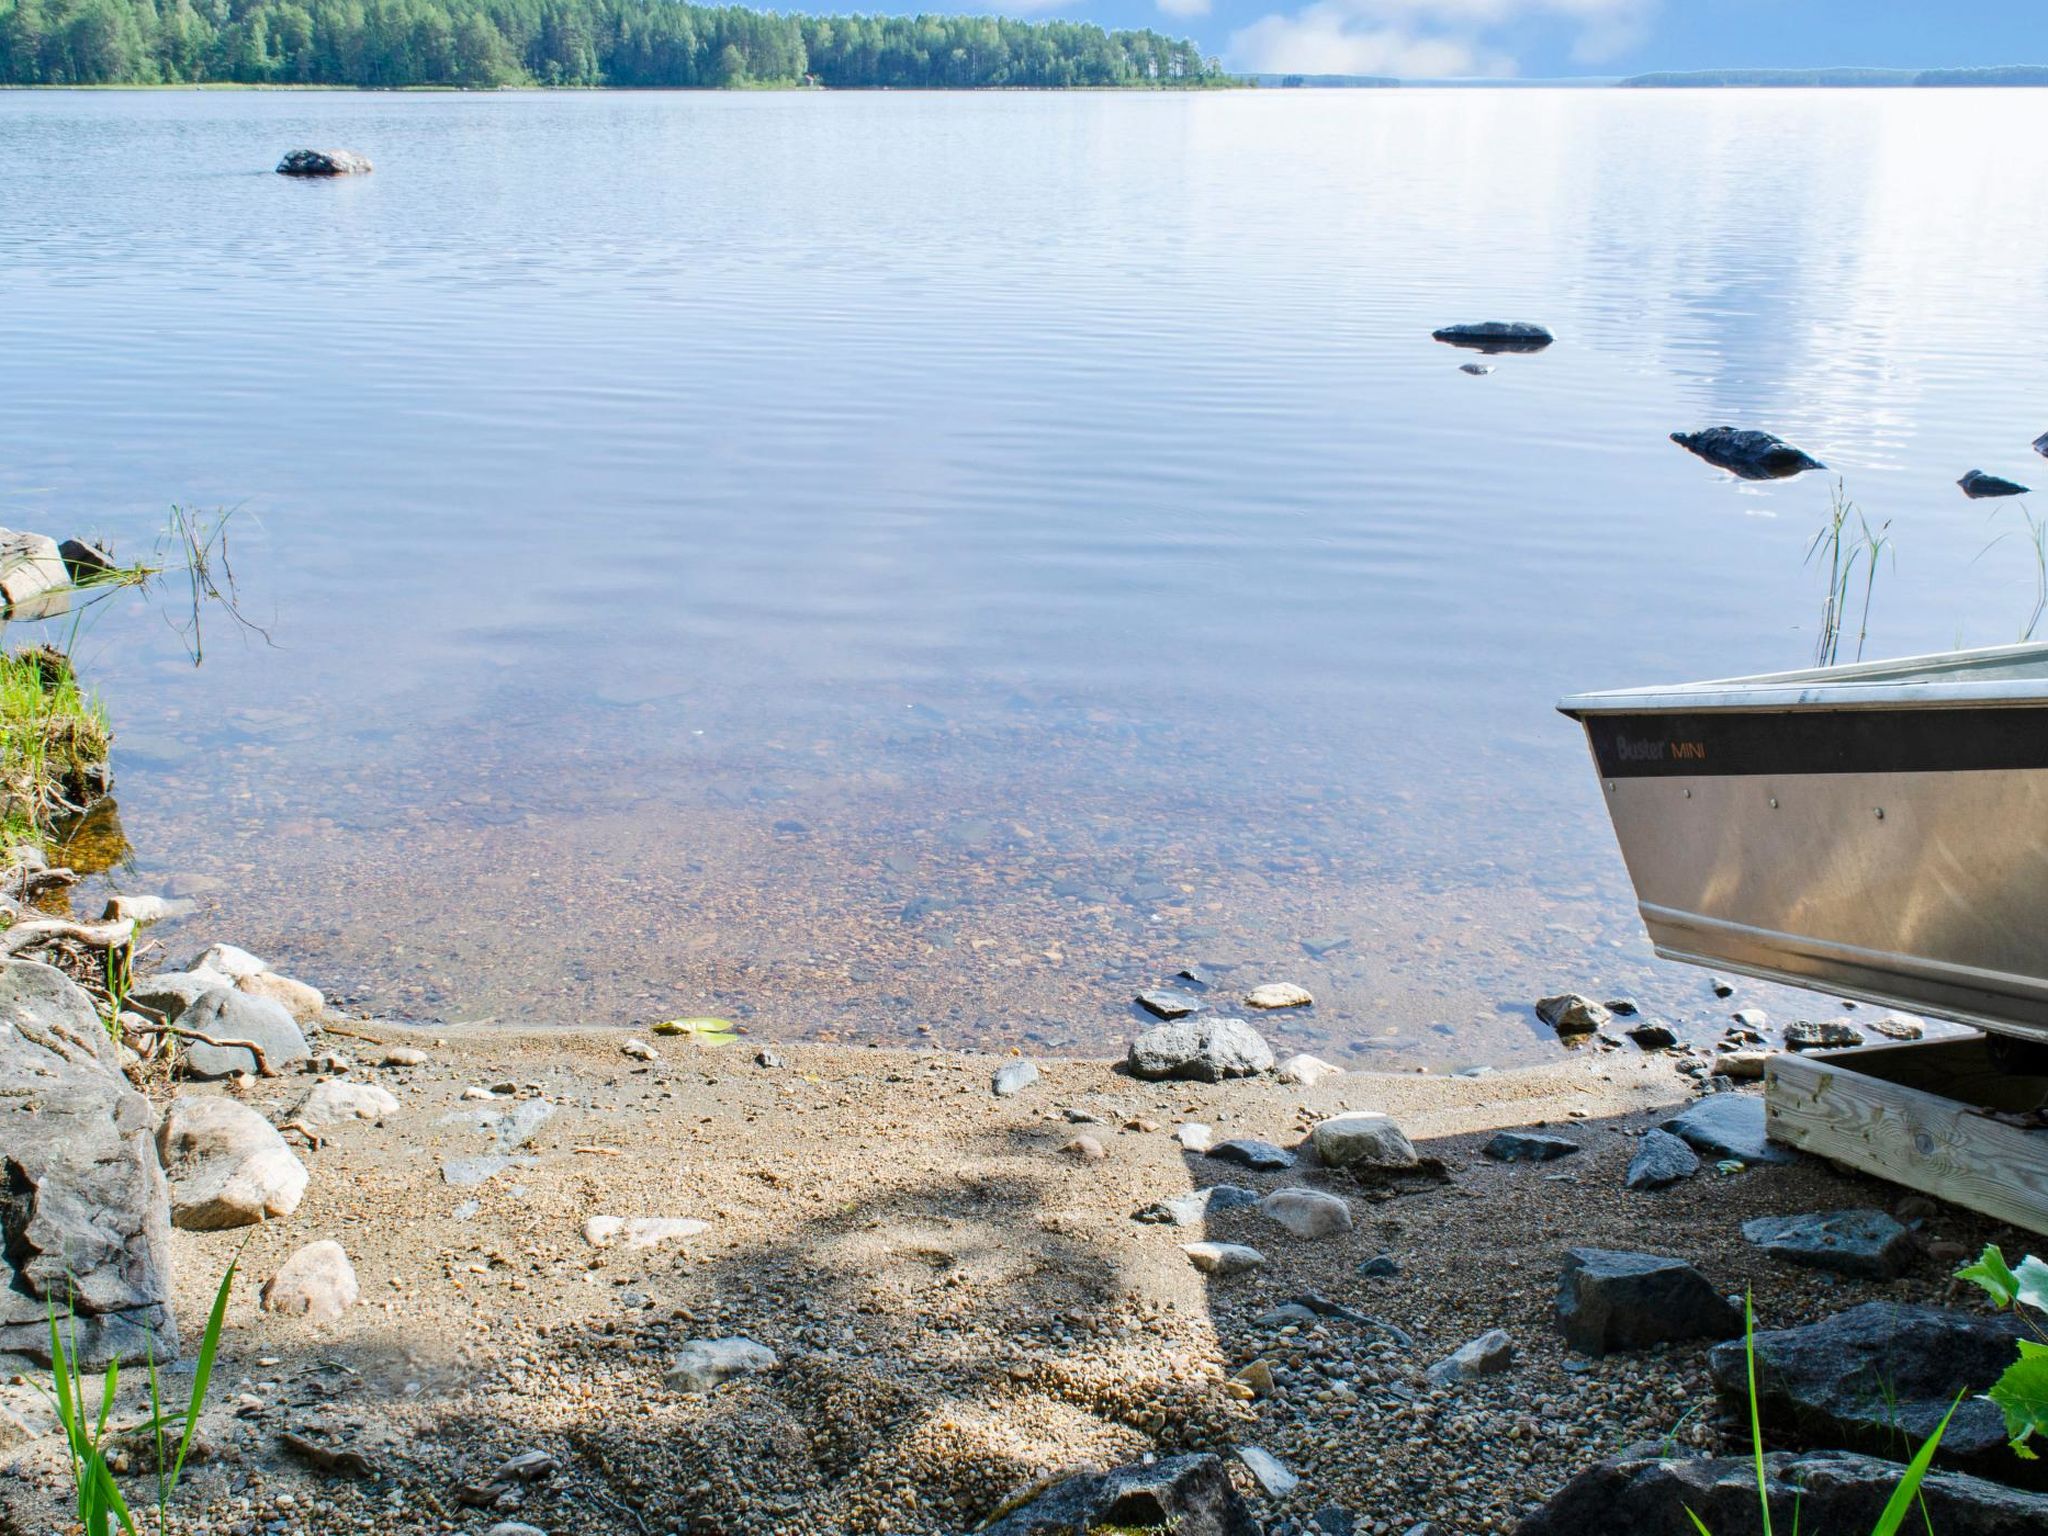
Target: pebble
<point x="1223" y="1259"/>
<point x="404" y="1056"/>
<point x="1488" y="1355"/>
<point x="1278" y="994"/>
<point x="1086" y="1149"/>
<point x="1194" y="1136"/>
<point x="1250" y="1152"/>
<point x="1306" y="1071"/>
<point x="639" y="1050"/>
<point x="703" y="1365"/>
<point x="1012" y="1078"/>
<point x="316" y="1283"/>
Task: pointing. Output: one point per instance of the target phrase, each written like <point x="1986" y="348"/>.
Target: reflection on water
<point x="923" y="567"/>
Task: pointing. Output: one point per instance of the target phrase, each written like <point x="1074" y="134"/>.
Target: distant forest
<point x="485" y="43"/>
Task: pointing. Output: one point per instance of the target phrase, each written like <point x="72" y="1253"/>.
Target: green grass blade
<point x="1697" y="1523"/>
<point x="1903" y="1496"/>
<point x="202" y="1374"/>
<point x="1756" y="1423"/>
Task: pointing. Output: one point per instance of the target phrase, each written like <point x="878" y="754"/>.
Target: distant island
<point x="2008" y="74"/>
<point x="482" y="44"/>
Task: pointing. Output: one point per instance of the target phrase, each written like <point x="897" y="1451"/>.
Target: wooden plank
<point x="1906" y="1132"/>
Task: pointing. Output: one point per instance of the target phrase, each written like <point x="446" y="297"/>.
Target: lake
<point x="918" y="568"/>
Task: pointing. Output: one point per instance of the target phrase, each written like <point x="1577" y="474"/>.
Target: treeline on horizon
<point x="631" y="43"/>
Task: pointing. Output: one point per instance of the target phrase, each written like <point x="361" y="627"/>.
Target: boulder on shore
<point x="1609" y="1301"/>
<point x="1649" y="1495"/>
<point x="1747" y="454"/>
<point x="1362" y="1138"/>
<point x="1188" y="1495"/>
<point x="227" y="1166"/>
<point x="1206" y="1050"/>
<point x="86" y="1216"/>
<point x="1496" y="336"/>
<point x="323" y="162"/>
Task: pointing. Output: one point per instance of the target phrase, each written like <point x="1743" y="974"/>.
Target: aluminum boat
<point x="1877" y="831"/>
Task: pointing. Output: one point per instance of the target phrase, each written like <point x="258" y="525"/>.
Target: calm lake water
<point x="920" y="567"/>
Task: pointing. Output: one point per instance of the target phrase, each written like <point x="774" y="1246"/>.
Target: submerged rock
<point x="1496" y="336"/>
<point x="1878" y="1378"/>
<point x="1477" y="370"/>
<point x="1609" y="1301"/>
<point x="1167" y="1003"/>
<point x="82" y="1195"/>
<point x="1188" y="1495"/>
<point x="1977" y="486"/>
<point x="1747" y="454"/>
<point x="1821" y="1491"/>
<point x="323" y="162"/>
<point x="1868" y="1245"/>
<point x="1204" y="1050"/>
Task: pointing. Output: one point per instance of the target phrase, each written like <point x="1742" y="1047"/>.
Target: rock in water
<point x="1661" y="1160"/>
<point x="33" y="576"/>
<point x="1878" y="1378"/>
<point x="1496" y="336"/>
<point x="1307" y="1212"/>
<point x="1819" y="1491"/>
<point x="2041" y="445"/>
<point x="1821" y="1035"/>
<point x="703" y="1365"/>
<point x="1570" y="1014"/>
<point x="1609" y="1301"/>
<point x="1204" y="1050"/>
<point x="227" y="1167"/>
<point x="316" y="1283"/>
<point x="1477" y="370"/>
<point x="1188" y="1495"/>
<point x="1363" y="1138"/>
<point x="1747" y="454"/>
<point x="1279" y="994"/>
<point x="323" y="162"/>
<point x="1977" y="486"/>
<point x="1728" y="1125"/>
<point x="81" y="1192"/>
<point x="1166" y="1003"/>
<point x="1866" y="1244"/>
<point x="1529" y="1147"/>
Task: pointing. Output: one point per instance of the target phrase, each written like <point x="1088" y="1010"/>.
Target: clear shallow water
<point x="882" y="564"/>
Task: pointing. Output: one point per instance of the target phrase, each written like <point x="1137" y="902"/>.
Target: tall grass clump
<point x="1847" y="549"/>
<point x="54" y="741"/>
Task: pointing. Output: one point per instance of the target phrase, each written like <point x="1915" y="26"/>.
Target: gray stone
<point x="1654" y="1037"/>
<point x="1363" y="1138"/>
<point x="1191" y="1210"/>
<point x="84" y="1212"/>
<point x="170" y="993"/>
<point x="316" y="1283"/>
<point x="1661" y="1160"/>
<point x="1866" y="1244"/>
<point x="1496" y="335"/>
<point x="1829" y="1491"/>
<point x="338" y="1101"/>
<point x="1307" y="1213"/>
<point x="1381" y="1266"/>
<point x="1223" y="1259"/>
<point x="1012" y="1078"/>
<point x="226" y="1014"/>
<point x="1821" y="1035"/>
<point x="514" y="1528"/>
<point x="1306" y="1071"/>
<point x="226" y="1164"/>
<point x="1188" y="1495"/>
<point x="1878" y="1378"/>
<point x="33" y="578"/>
<point x="1488" y="1355"/>
<point x="404" y="1056"/>
<point x="143" y="910"/>
<point x="1609" y="1301"/>
<point x="1166" y="1003"/>
<point x="1977" y="485"/>
<point x="703" y="1365"/>
<point x="1529" y="1147"/>
<point x="1335" y="1520"/>
<point x="1205" y="1050"/>
<point x="1249" y="1152"/>
<point x="1269" y="1471"/>
<point x="323" y="162"/>
<point x="1747" y="454"/>
<point x="1728" y="1125"/>
<point x="1569" y="1013"/>
<point x="2041" y="445"/>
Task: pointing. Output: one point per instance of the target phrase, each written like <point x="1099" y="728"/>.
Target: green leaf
<point x="1697" y="1523"/>
<point x="1901" y="1503"/>
<point x="2022" y="1396"/>
<point x="202" y="1375"/>
<point x="2032" y="1276"/>
<point x="1994" y="1275"/>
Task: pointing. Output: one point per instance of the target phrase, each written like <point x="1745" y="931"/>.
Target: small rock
<point x="1307" y="1213"/>
<point x="1381" y="1266"/>
<point x="335" y="1102"/>
<point x="514" y="1528"/>
<point x="1622" y="1007"/>
<point x="1306" y="1071"/>
<point x="1012" y="1078"/>
<point x="1258" y="1377"/>
<point x="1866" y="1244"/>
<point x="1270" y="1473"/>
<point x="1728" y="1125"/>
<point x="1223" y="1259"/>
<point x="1747" y="454"/>
<point x="316" y="1283"/>
<point x="1743" y="1066"/>
<point x="1191" y="1210"/>
<point x="1488" y="1355"/>
<point x="1250" y="1152"/>
<point x="1496" y="335"/>
<point x="226" y="1014"/>
<point x="1977" y="485"/>
<point x="768" y="1057"/>
<point x="1661" y="1160"/>
<point x="1278" y="994"/>
<point x="404" y="1056"/>
<point x="1751" y="1018"/>
<point x="323" y="162"/>
<point x="1194" y="1136"/>
<point x="1477" y="370"/>
<point x="306" y="1004"/>
<point x="641" y="1231"/>
<point x="1609" y="1301"/>
<point x="639" y="1050"/>
<point x="1191" y="1495"/>
<point x="1654" y="1037"/>
<point x="1898" y="1026"/>
<point x="143" y="910"/>
<point x="1167" y="1004"/>
<point x="702" y="1365"/>
<point x="1205" y="1050"/>
<point x="1336" y="1521"/>
<point x="1529" y="1147"/>
<point x="1362" y="1138"/>
<point x="1571" y="1014"/>
<point x="1823" y="1035"/>
<point x="226" y="1164"/>
<point x="1085" y="1149"/>
<point x="226" y="960"/>
<point x="1721" y="988"/>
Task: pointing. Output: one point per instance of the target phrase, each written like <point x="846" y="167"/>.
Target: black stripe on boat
<point x="1953" y="740"/>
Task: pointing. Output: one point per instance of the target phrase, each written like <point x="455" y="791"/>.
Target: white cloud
<point x="1184" y="7"/>
<point x="1421" y="38"/>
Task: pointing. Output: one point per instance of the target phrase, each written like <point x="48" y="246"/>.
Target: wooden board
<point x="1912" y="1114"/>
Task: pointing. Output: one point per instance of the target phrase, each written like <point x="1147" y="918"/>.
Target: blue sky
<point x="1577" y="37"/>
